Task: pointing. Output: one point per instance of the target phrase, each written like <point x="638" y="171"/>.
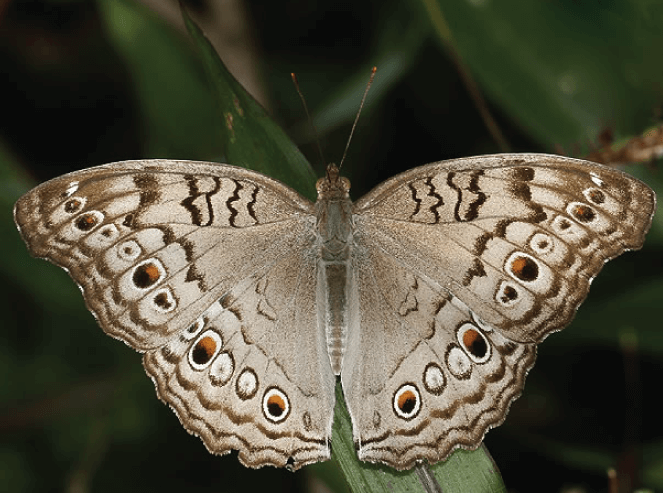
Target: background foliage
<point x="86" y="83"/>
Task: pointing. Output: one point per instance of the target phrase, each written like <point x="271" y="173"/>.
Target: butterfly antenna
<point x="361" y="106"/>
<point x="308" y="115"/>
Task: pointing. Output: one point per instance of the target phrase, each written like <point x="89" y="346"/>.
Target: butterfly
<point x="427" y="297"/>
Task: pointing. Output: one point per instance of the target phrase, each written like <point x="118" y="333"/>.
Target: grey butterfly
<point x="428" y="296"/>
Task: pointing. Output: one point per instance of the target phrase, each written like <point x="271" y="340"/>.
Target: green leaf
<point x="547" y="65"/>
<point x="171" y="90"/>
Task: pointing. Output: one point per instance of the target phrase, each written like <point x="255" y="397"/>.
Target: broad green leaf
<point x="564" y="70"/>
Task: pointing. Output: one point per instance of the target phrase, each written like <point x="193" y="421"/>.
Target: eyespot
<point x="148" y="273"/>
<point x="246" y="385"/>
<point x="594" y="195"/>
<point x="434" y="380"/>
<point x="581" y="212"/>
<point x="102" y="237"/>
<point x="541" y="243"/>
<point x="275" y="405"/>
<point x="204" y="350"/>
<point x="561" y="224"/>
<point x="407" y="402"/>
<point x="507" y="294"/>
<point x="458" y="363"/>
<point x="74" y="205"/>
<point x="129" y="250"/>
<point x="222" y="369"/>
<point x="473" y="342"/>
<point x="109" y="232"/>
<point x="88" y="221"/>
<point x="164" y="300"/>
<point x="523" y="267"/>
<point x="194" y="329"/>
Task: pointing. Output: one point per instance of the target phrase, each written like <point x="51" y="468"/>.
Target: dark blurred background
<point x="89" y="82"/>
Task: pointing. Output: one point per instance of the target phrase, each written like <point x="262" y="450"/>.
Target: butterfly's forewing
<point x="461" y="268"/>
<point x="203" y="268"/>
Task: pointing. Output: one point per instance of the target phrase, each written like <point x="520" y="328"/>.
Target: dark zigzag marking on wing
<point x="108" y="315"/>
<point x="194" y="193"/>
<point x="459" y="195"/>
<point x="416" y="200"/>
<point x="250" y="206"/>
<point x="208" y="198"/>
<point x="234" y="198"/>
<point x="412" y="290"/>
<point x="187" y="203"/>
<point x="432" y="192"/>
<point x="473" y="210"/>
<point x="193" y="274"/>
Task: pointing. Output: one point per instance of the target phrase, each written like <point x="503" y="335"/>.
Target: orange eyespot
<point x="276" y="405"/>
<point x="146" y="275"/>
<point x="407" y="402"/>
<point x="87" y="221"/>
<point x="524" y="268"/>
<point x="474" y="343"/>
<point x="72" y="205"/>
<point x="583" y="213"/>
<point x="204" y="350"/>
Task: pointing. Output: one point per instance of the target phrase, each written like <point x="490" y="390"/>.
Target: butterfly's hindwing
<point x="239" y="379"/>
<point x="439" y="377"/>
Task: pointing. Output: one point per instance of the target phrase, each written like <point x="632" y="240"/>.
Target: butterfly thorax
<point x="334" y="215"/>
<point x="334" y="229"/>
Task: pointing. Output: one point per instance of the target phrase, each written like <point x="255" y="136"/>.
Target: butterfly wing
<point x="461" y="268"/>
<point x="202" y="267"/>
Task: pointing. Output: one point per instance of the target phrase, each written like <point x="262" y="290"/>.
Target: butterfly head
<point x="333" y="185"/>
